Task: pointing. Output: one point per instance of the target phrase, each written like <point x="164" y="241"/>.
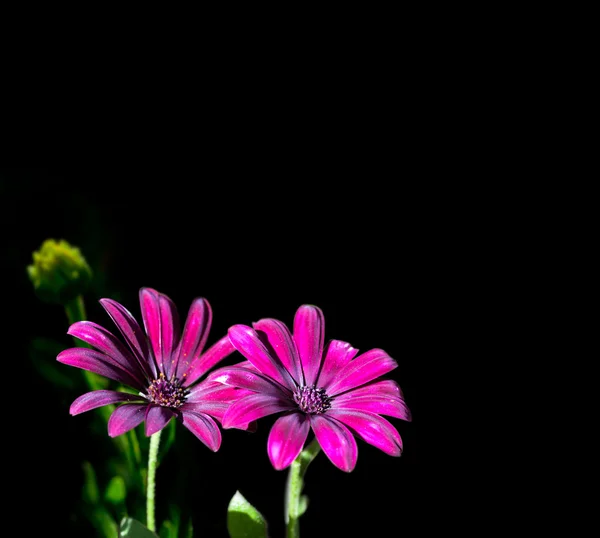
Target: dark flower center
<point x="312" y="400"/>
<point x="167" y="393"/>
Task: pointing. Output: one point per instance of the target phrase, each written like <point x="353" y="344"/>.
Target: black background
<point x="257" y="241"/>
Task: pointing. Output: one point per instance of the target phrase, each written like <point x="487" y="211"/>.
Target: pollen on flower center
<point x="167" y="393"/>
<point x="312" y="400"/>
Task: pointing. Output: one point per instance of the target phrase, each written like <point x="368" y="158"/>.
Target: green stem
<point x="152" y="466"/>
<point x="135" y="448"/>
<point x="294" y="486"/>
<point x="75" y="309"/>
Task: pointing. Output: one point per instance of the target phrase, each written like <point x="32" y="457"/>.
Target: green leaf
<point x="103" y="522"/>
<point x="190" y="530"/>
<point x="168" y="530"/>
<point x="243" y="520"/>
<point x="115" y="491"/>
<point x="94" y="510"/>
<point x="132" y="528"/>
<point x="170" y="527"/>
<point x="303" y="505"/>
<point x="91" y="492"/>
<point x="42" y="353"/>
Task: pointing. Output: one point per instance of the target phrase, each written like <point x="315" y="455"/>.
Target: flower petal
<point x="161" y="322"/>
<point x="337" y="355"/>
<point x="217" y="408"/>
<point x="99" y="363"/>
<point x="247" y="341"/>
<point x="203" y="427"/>
<point x="252" y="407"/>
<point x="133" y="334"/>
<point x="157" y="418"/>
<point x="280" y="339"/>
<point x="195" y="333"/>
<point x="309" y="335"/>
<point x="381" y="397"/>
<point x="203" y="363"/>
<point x="336" y="440"/>
<point x="209" y="390"/>
<point x="100" y="398"/>
<point x="248" y="379"/>
<point x="386" y="387"/>
<point x="103" y="340"/>
<point x="213" y="398"/>
<point x="361" y="370"/>
<point x="125" y="418"/>
<point x="286" y="439"/>
<point x="372" y="428"/>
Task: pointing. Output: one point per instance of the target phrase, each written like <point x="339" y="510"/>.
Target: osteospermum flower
<point x="162" y="364"/>
<point x="329" y="389"/>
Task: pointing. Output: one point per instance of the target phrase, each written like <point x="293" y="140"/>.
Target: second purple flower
<point x="329" y="389"/>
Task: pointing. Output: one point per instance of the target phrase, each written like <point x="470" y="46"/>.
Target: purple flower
<point x="161" y="364"/>
<point x="329" y="389"/>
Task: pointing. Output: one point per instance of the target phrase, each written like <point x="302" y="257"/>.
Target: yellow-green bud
<point x="59" y="272"/>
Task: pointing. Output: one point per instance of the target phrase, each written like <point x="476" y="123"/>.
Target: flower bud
<point x="59" y="272"/>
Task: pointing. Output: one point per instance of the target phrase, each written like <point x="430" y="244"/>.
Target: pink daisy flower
<point x="161" y="364"/>
<point x="329" y="389"/>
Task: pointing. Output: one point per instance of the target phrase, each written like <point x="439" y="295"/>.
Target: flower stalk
<point x="294" y="486"/>
<point x="151" y="489"/>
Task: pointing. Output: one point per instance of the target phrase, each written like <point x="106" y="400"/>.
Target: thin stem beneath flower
<point x="152" y="466"/>
<point x="294" y="486"/>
